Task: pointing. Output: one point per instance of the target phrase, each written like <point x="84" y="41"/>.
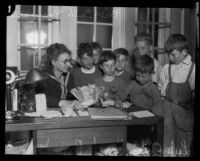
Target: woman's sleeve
<point x="52" y="101"/>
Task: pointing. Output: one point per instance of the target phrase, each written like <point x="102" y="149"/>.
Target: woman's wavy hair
<point x="53" y="52"/>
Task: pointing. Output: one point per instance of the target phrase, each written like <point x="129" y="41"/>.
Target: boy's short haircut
<point x="96" y="46"/>
<point x="85" y="48"/>
<point x="121" y="51"/>
<point x="176" y="41"/>
<point x="144" y="64"/>
<point x="106" y="56"/>
<point x="144" y="37"/>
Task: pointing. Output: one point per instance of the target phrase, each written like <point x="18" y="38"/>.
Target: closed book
<point x="110" y="113"/>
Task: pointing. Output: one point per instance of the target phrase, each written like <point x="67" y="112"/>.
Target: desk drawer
<point x="80" y="136"/>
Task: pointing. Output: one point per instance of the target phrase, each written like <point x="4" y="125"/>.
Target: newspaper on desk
<point x="87" y="95"/>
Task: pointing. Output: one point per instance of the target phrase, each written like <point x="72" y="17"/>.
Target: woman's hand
<point x="66" y="104"/>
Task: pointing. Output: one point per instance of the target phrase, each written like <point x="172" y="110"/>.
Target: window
<point x="35" y="23"/>
<point x="156" y="22"/>
<point x="95" y="24"/>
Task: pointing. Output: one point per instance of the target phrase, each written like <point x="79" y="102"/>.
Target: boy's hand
<point x="79" y="106"/>
<point x="118" y="104"/>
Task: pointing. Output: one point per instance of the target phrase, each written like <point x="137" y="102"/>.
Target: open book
<point x="107" y="113"/>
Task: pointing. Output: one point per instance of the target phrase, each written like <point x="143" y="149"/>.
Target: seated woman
<point x="59" y="83"/>
<point x="57" y="64"/>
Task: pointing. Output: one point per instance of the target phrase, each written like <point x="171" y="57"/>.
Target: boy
<point x="177" y="85"/>
<point x="85" y="74"/>
<point x="113" y="86"/>
<point x="142" y="91"/>
<point x="97" y="51"/>
<point x="121" y="64"/>
<point x="143" y="44"/>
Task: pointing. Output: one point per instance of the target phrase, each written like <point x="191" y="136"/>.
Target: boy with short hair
<point x="85" y="74"/>
<point x="142" y="91"/>
<point x="177" y="85"/>
<point x="113" y="86"/>
<point x="121" y="64"/>
<point x="144" y="46"/>
<point x="97" y="51"/>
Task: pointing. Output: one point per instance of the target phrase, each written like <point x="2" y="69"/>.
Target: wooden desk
<point x="69" y="131"/>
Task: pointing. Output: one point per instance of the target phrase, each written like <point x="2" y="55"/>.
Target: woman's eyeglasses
<point x="65" y="61"/>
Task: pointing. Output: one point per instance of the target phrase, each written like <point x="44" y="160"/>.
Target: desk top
<point x="28" y="123"/>
<point x="37" y="123"/>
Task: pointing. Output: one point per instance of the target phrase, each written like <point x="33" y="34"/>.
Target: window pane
<point x="26" y="57"/>
<point x="104" y="36"/>
<point x="43" y="57"/>
<point x="104" y="14"/>
<point x="44" y="10"/>
<point x="142" y="14"/>
<point x="144" y="28"/>
<point x="156" y="14"/>
<point x="36" y="10"/>
<point x="155" y="54"/>
<point x="84" y="33"/>
<point x="85" y="14"/>
<point x="155" y="35"/>
<point x="26" y="9"/>
<point x="44" y="33"/>
<point x="36" y="57"/>
<point x="28" y="32"/>
<point x="150" y="15"/>
<point x="43" y="54"/>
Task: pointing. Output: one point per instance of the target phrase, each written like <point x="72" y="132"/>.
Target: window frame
<point x="95" y="23"/>
<point x="36" y="47"/>
<point x="161" y="25"/>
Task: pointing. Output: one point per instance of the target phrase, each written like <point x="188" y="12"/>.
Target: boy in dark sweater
<point x="113" y="86"/>
<point x="85" y="74"/>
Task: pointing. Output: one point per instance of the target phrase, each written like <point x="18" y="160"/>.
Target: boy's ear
<point x="53" y="62"/>
<point x="101" y="67"/>
<point x="184" y="52"/>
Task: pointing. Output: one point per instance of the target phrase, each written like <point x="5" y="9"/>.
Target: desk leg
<point x="160" y="132"/>
<point x="125" y="142"/>
<point x="34" y="137"/>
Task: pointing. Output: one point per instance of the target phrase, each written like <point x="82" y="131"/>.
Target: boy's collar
<point x="88" y="71"/>
<point x="119" y="73"/>
<point x="147" y="84"/>
<point x="187" y="60"/>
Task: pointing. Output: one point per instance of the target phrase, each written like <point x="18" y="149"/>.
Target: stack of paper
<point x="141" y="114"/>
<point x="83" y="113"/>
<point x="106" y="113"/>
